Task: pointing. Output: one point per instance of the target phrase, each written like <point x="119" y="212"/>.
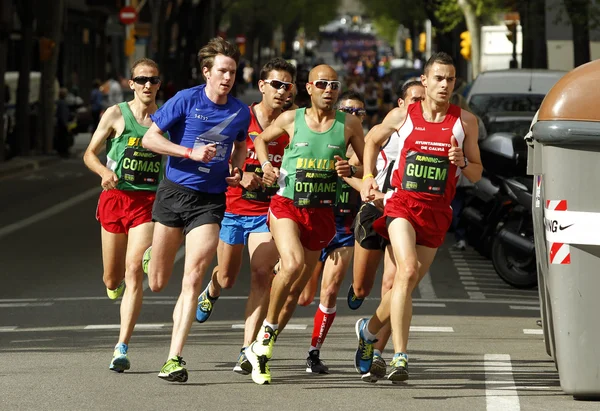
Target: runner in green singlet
<point x="129" y="181"/>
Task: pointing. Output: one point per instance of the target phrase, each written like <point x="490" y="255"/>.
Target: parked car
<point x="511" y="90"/>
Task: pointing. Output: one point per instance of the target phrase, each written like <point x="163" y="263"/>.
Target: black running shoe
<point x="314" y="364"/>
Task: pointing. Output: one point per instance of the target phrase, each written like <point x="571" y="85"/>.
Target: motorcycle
<point x="498" y="213"/>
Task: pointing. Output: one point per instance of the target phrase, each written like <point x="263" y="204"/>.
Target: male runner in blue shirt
<point x="206" y="127"/>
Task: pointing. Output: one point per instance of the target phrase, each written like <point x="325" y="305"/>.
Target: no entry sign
<point x="127" y="15"/>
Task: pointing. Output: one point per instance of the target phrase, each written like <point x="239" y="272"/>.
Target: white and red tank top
<point x="422" y="169"/>
<point x="254" y="203"/>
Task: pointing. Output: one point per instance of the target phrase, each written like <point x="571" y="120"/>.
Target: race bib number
<point x="425" y="173"/>
<point x="262" y="194"/>
<point x="222" y="148"/>
<point x="141" y="166"/>
<point x="348" y="199"/>
<point x="315" y="188"/>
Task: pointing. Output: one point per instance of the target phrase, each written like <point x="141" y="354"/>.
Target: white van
<point x="511" y="90"/>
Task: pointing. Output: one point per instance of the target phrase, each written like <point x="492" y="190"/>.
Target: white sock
<point x="268" y="324"/>
<point x="366" y="333"/>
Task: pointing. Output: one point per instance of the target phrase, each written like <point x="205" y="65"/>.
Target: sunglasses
<point x="323" y="84"/>
<point x="142" y="80"/>
<point x="277" y="85"/>
<point x="354" y="111"/>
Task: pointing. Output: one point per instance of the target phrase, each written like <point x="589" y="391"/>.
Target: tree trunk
<point x="50" y="28"/>
<point x="5" y="28"/>
<point x="533" y="25"/>
<point x="579" y="14"/>
<point x="22" y="129"/>
<point x="474" y="27"/>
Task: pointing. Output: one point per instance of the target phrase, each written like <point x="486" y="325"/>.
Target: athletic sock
<point x="377" y="353"/>
<point x="367" y="334"/>
<point x="323" y="319"/>
<point x="274" y="327"/>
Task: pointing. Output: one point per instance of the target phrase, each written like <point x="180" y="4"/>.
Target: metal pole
<point x="428" y="36"/>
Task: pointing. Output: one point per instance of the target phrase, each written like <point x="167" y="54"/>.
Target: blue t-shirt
<point x="193" y="120"/>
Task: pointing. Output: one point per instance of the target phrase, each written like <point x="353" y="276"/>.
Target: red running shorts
<point x="119" y="210"/>
<point x="316" y="225"/>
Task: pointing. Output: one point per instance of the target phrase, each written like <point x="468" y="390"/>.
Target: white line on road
<point x="7" y="328"/>
<point x="429" y="305"/>
<point x="523" y="307"/>
<point x="426" y="287"/>
<point x="11" y="228"/>
<point x="424" y="329"/>
<point x="498" y="369"/>
<point x="287" y="327"/>
<point x="117" y="326"/>
<point x="533" y="331"/>
<point x="13" y="305"/>
<point x="32" y="341"/>
<point x="477" y="295"/>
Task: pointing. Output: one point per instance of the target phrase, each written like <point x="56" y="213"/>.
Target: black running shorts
<point x="363" y="228"/>
<point x="178" y="206"/>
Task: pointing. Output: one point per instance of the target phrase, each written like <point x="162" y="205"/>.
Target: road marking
<point x="117" y="326"/>
<point x="424" y="329"/>
<point x="523" y="307"/>
<point x="32" y="341"/>
<point x="287" y="327"/>
<point x="13" y="305"/>
<point x="498" y="370"/>
<point x="476" y="295"/>
<point x="11" y="228"/>
<point x="7" y="328"/>
<point x="533" y="331"/>
<point x="429" y="305"/>
<point x="426" y="287"/>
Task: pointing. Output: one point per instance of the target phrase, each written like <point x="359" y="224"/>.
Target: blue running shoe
<point x="364" y="354"/>
<point x="353" y="301"/>
<point x="120" y="361"/>
<point x="205" y="305"/>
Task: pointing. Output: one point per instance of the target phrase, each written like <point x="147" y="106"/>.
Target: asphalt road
<point x="474" y="345"/>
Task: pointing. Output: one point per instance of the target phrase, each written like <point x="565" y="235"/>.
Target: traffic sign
<point x="128" y="15"/>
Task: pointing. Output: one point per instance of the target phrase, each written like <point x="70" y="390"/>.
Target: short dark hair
<point x="217" y="45"/>
<point x="143" y="62"/>
<point x="350" y="95"/>
<point x="278" y="64"/>
<point x="406" y="86"/>
<point x="439" y="57"/>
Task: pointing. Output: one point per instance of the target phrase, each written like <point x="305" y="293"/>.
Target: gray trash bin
<point x="566" y="211"/>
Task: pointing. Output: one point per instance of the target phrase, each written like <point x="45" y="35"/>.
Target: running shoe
<point x="398" y="369"/>
<point x="174" y="370"/>
<point x="146" y="259"/>
<point x="353" y="301"/>
<point x="120" y="361"/>
<point x="377" y="370"/>
<point x="243" y="366"/>
<point x="259" y="353"/>
<point x="314" y="364"/>
<point x="364" y="354"/>
<point x="205" y="305"/>
<point x="460" y="245"/>
<point x="117" y="292"/>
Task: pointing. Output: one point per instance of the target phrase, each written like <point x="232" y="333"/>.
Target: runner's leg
<point x="308" y="294"/>
<point x="263" y="255"/>
<point x="140" y="238"/>
<point x="114" y="249"/>
<point x="200" y="248"/>
<point x="165" y="243"/>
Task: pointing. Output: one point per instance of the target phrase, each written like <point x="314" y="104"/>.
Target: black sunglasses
<point x="141" y="80"/>
<point x="276" y="84"/>
<point x="322" y="84"/>
<point x="354" y="110"/>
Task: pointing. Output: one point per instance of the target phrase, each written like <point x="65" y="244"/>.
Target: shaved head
<point x="322" y="71"/>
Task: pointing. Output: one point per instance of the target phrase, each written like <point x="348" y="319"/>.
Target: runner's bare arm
<point x="107" y="127"/>
<point x="154" y="140"/>
<point x="474" y="167"/>
<point x="375" y="138"/>
<point x="238" y="155"/>
<point x="282" y="124"/>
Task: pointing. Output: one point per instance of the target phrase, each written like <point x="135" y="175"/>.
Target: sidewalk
<point x="20" y="164"/>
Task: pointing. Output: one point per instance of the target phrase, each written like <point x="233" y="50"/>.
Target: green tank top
<point x="136" y="167"/>
<point x="308" y="168"/>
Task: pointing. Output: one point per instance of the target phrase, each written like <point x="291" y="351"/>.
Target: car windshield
<point x="519" y="127"/>
<point x="482" y="104"/>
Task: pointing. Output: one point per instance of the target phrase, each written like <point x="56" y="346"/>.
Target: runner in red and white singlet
<point x="433" y="135"/>
<point x="245" y="221"/>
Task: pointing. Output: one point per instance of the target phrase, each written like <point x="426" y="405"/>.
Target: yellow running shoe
<point x="259" y="353"/>
<point x="116" y="293"/>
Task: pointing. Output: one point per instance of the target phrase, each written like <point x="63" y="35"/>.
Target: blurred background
<point x="64" y="56"/>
